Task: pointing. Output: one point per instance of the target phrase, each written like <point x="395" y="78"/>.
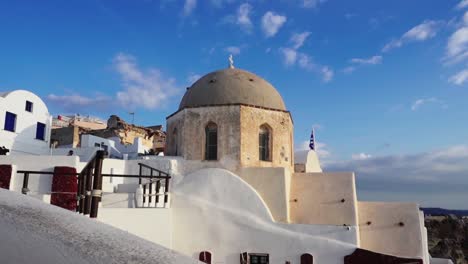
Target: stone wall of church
<point x="190" y="140"/>
<point x="282" y="137"/>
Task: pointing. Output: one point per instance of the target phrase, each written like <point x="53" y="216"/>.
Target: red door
<point x="64" y="188"/>
<point x="5" y="176"/>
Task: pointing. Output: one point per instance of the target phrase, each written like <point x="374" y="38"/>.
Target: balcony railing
<point x="89" y="192"/>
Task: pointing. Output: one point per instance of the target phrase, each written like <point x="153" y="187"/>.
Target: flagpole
<point x="315" y="145"/>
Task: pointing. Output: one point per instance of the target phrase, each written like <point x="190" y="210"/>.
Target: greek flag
<point x="312" y="140"/>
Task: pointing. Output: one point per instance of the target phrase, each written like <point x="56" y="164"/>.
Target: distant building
<point x="85" y="122"/>
<point x="120" y="139"/>
<point x="25" y="123"/>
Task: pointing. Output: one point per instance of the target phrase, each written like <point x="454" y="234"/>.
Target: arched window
<point x="264" y="143"/>
<point x="211" y="142"/>
<point x="174" y="141"/>
<point x="307" y="259"/>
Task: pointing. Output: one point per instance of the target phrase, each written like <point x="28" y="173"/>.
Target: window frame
<point x="259" y="256"/>
<point x="31" y="108"/>
<point x="265" y="143"/>
<point x="14" y="122"/>
<point x="209" y="154"/>
<point x="43" y="131"/>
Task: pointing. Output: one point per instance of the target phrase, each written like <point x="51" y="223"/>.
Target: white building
<point x="25" y="123"/>
<point x="234" y="194"/>
<point x="89" y="144"/>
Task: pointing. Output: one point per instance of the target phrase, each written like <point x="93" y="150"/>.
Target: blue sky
<point x="378" y="79"/>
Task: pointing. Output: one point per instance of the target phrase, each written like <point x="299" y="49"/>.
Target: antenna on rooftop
<point x="231" y="62"/>
<point x="133" y="117"/>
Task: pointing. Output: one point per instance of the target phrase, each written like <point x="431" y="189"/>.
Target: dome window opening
<point x="211" y="142"/>
<point x="264" y="142"/>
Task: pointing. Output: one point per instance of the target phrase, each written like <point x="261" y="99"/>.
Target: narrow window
<point x="10" y="122"/>
<point x="205" y="257"/>
<point x="264" y="139"/>
<point x="259" y="258"/>
<point x="174" y="137"/>
<point x="40" y="131"/>
<point x="211" y="142"/>
<point x="29" y="106"/>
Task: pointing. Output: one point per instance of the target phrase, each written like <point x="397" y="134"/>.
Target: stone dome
<point x="232" y="86"/>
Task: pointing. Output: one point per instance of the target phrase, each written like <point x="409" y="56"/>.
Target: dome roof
<point x="232" y="86"/>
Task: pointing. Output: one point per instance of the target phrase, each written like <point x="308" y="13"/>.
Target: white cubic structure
<point x="25" y="123"/>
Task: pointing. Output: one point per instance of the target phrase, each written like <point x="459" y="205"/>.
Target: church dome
<point x="232" y="86"/>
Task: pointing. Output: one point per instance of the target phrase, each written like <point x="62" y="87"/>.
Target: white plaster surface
<point x="316" y="198"/>
<point x="23" y="140"/>
<point x="39" y="184"/>
<point x="403" y="241"/>
<point x="272" y="184"/>
<point x="34" y="232"/>
<point x="84" y="154"/>
<point x="225" y="216"/>
<point x="312" y="163"/>
<point x="153" y="224"/>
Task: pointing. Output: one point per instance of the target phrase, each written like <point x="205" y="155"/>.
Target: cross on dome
<point x="231" y="61"/>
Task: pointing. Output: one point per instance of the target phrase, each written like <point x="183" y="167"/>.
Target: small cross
<point x="231" y="62"/>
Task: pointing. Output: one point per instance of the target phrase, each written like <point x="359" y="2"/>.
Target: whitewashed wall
<point x="214" y="210"/>
<point x="23" y="140"/>
<point x="39" y="184"/>
<point x="152" y="224"/>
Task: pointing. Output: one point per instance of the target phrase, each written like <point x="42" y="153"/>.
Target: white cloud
<point x="305" y="62"/>
<point x="459" y="78"/>
<point x="233" y="50"/>
<point x="271" y="23"/>
<point x="220" y="3"/>
<point x="349" y="69"/>
<point x="327" y="74"/>
<point x="318" y="126"/>
<point x="147" y="89"/>
<point x="457" y="46"/>
<point x="292" y="57"/>
<point x="323" y="151"/>
<point x="298" y="39"/>
<point x="423" y="101"/>
<point x="193" y="77"/>
<point x="442" y="172"/>
<point x="243" y="16"/>
<point x="463" y="4"/>
<point x="424" y="31"/>
<point x="189" y="6"/>
<point x="289" y="56"/>
<point x="75" y="102"/>
<point x="360" y="156"/>
<point x="312" y="3"/>
<point x="369" y="61"/>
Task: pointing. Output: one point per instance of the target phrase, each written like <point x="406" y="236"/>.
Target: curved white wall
<point x="215" y="210"/>
<point x="23" y="140"/>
